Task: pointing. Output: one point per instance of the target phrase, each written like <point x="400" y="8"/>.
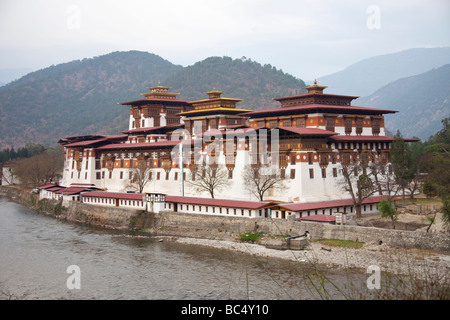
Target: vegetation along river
<point x="36" y="251"/>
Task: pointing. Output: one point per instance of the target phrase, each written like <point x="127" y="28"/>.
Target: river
<point x="36" y="251"/>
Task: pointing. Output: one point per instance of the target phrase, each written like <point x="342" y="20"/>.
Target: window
<point x="359" y="126"/>
<point x="324" y="173"/>
<point x="283" y="173"/>
<point x="301" y="123"/>
<point x="335" y="172"/>
<point x="110" y="174"/>
<point x="292" y="158"/>
<point x="311" y="173"/>
<point x="175" y="176"/>
<point x="158" y="175"/>
<point x="348" y="126"/>
<point x="167" y="175"/>
<point x="329" y="123"/>
<point x="121" y="174"/>
<point x="230" y="174"/>
<point x="292" y="173"/>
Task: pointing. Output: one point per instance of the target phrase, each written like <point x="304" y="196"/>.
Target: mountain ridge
<point x="368" y="75"/>
<point x="81" y="97"/>
<point x="422" y="100"/>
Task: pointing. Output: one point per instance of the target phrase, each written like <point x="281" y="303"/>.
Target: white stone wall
<point x="214" y="210"/>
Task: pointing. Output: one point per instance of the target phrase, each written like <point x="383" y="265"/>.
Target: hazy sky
<point x="306" y="38"/>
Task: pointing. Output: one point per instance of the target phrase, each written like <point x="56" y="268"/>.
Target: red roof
<point x="89" y="140"/>
<point x="47" y="186"/>
<point x="218" y="202"/>
<point x="168" y="143"/>
<point x="72" y="190"/>
<point x="320" y="218"/>
<point x="315" y="94"/>
<point x="309" y="131"/>
<point x="309" y="108"/>
<point x="114" y="195"/>
<point x="141" y="130"/>
<point x="147" y="101"/>
<point x="328" y="204"/>
<point x="55" y="188"/>
<point x="369" y="138"/>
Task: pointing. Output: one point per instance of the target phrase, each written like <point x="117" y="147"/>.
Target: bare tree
<point x="259" y="178"/>
<point x="209" y="178"/>
<point x="385" y="181"/>
<point x="358" y="184"/>
<point x="140" y="175"/>
<point x="42" y="168"/>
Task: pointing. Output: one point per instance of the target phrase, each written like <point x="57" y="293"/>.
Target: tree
<point x="139" y="175"/>
<point x="357" y="183"/>
<point x="406" y="169"/>
<point x="42" y="168"/>
<point x="387" y="209"/>
<point x="209" y="178"/>
<point x="259" y="178"/>
<point x="356" y="178"/>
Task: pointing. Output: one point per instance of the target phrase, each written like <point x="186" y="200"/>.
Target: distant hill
<point x="11" y="74"/>
<point x="257" y="85"/>
<point x="365" y="77"/>
<point x="422" y="101"/>
<point x="80" y="97"/>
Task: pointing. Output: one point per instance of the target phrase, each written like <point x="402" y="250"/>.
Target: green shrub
<point x="251" y="236"/>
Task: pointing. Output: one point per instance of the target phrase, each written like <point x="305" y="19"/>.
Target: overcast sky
<point x="306" y="38"/>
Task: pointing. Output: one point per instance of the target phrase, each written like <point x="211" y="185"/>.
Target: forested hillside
<point x="81" y="97"/>
<point x="244" y="79"/>
<point x="422" y="101"/>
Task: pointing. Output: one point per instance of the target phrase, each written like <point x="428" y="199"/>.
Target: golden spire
<point x="315" y="88"/>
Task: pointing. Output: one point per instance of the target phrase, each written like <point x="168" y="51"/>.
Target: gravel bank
<point x="417" y="263"/>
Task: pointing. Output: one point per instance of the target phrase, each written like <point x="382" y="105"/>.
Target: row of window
<point x="134" y="203"/>
<point x="211" y="209"/>
<point x="101" y="175"/>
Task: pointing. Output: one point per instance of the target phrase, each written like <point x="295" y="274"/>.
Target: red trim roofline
<point x="296" y="207"/>
<point x="219" y="202"/>
<point x="315" y="94"/>
<point x="113" y="195"/>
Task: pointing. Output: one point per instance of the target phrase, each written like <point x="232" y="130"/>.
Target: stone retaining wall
<point x="215" y="227"/>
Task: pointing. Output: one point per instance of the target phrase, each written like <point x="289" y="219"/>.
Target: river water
<point x="36" y="251"/>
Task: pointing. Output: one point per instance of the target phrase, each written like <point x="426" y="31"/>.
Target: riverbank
<point x="223" y="234"/>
